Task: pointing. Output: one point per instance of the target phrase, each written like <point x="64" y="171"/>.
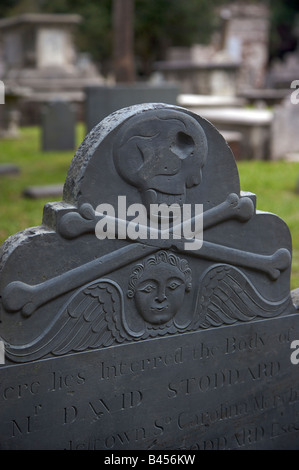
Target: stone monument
<point x="118" y="337"/>
<point x="58" y="123"/>
<point x="39" y="54"/>
<point x="245" y="37"/>
<point x="284" y="130"/>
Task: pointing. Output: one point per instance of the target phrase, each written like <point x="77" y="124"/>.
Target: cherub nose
<point x="161" y="295"/>
<point x="160" y="299"/>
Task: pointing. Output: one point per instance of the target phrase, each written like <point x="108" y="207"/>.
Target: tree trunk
<point x="123" y="26"/>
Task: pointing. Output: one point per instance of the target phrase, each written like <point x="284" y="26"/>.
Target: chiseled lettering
<point x="131" y="399"/>
<point x="244" y="343"/>
<point x="21" y="390"/>
<point x="270" y="369"/>
<point x="70" y="414"/>
<point x="263" y="401"/>
<point x="20" y="428"/>
<point x="101" y="410"/>
<point x="218" y="443"/>
<point x="160" y="424"/>
<point x="250" y="435"/>
<point x="123" y="438"/>
<point x="225" y="411"/>
<point x="111" y="371"/>
<point x="62" y="381"/>
<point x="204" y="383"/>
<point x="279" y="429"/>
<point x="204" y="351"/>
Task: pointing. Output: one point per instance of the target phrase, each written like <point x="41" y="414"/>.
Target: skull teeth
<point x="170" y="199"/>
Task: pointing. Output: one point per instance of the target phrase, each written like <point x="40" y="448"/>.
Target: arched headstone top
<point x="113" y="153"/>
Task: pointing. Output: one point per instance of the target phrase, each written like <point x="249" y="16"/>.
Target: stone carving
<point x="155" y="154"/>
<point x="91" y="319"/>
<point x="167" y="154"/>
<point x="92" y="325"/>
<point x="73" y="225"/>
<point x="96" y="316"/>
<point x="227" y="296"/>
<point x="159" y="286"/>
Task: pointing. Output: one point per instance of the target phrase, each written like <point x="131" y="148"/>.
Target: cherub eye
<point x="147" y="289"/>
<point x="174" y="284"/>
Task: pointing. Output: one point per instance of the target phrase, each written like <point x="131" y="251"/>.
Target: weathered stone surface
<point x="8" y="169"/>
<point x="284" y="135"/>
<point x="58" y="126"/>
<point x="149" y="343"/>
<point x="103" y="100"/>
<point x="39" y="55"/>
<point x="36" y="192"/>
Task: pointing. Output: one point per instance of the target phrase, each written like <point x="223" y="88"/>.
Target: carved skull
<point x="162" y="153"/>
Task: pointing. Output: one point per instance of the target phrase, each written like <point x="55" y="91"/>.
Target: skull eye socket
<point x="183" y="145"/>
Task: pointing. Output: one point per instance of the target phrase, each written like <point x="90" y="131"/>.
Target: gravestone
<point x="284" y="130"/>
<point x="58" y="121"/>
<point x="245" y="37"/>
<point x="120" y="338"/>
<point x="102" y="100"/>
<point x="254" y="125"/>
<point x="49" y="190"/>
<point x="40" y="55"/>
<point x="8" y="169"/>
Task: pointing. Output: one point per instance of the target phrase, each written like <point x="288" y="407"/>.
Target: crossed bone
<point x="19" y="296"/>
<point x="73" y="224"/>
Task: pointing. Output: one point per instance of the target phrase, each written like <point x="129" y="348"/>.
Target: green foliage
<point x="158" y="24"/>
<point x="36" y="168"/>
<point x="95" y="32"/>
<point x="275" y="184"/>
<point x="284" y="15"/>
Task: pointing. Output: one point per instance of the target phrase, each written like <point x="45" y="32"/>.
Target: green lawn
<point x="36" y="168"/>
<point x="274" y="183"/>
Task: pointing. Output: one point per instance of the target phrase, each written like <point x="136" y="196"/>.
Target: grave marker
<point x="139" y="343"/>
<point x="58" y="126"/>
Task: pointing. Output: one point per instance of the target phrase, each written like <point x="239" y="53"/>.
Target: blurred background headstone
<point x="39" y="54"/>
<point x="58" y="126"/>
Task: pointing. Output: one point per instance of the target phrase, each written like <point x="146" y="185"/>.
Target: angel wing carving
<point x="226" y="296"/>
<point x="92" y="318"/>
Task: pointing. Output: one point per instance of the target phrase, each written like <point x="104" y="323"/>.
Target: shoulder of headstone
<point x="18" y="239"/>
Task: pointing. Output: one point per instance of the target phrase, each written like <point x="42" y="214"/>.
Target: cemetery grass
<point x="274" y="183"/>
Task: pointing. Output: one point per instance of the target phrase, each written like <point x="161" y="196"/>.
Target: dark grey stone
<point x="7" y="169"/>
<point x="58" y="126"/>
<point x="36" y="192"/>
<point x="103" y="100"/>
<point x="146" y="343"/>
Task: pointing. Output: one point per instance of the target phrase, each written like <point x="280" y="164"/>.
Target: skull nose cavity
<point x="183" y="146"/>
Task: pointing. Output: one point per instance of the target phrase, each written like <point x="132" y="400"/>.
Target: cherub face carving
<point x="159" y="286"/>
<point x="162" y="153"/>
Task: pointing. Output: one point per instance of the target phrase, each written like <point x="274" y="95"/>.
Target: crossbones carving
<point x="74" y="224"/>
<point x="19" y="296"/>
<point x="162" y="155"/>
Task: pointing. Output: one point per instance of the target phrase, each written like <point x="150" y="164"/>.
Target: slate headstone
<point x="58" y="126"/>
<point x="36" y="192"/>
<point x="8" y="169"/>
<point x="102" y="100"/>
<point x="130" y="342"/>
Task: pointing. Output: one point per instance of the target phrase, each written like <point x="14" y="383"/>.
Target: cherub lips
<point x="160" y="309"/>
